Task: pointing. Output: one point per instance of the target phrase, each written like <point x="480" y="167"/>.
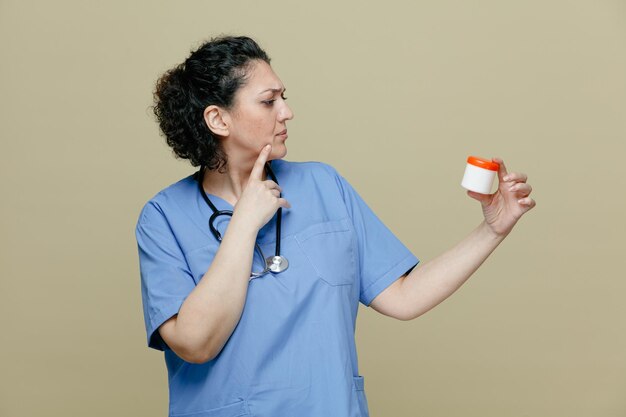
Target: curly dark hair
<point x="211" y="75"/>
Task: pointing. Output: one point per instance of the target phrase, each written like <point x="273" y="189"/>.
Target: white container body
<point x="478" y="179"/>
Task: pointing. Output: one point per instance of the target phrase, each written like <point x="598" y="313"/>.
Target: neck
<point x="230" y="184"/>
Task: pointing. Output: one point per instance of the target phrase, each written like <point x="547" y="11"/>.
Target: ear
<point x="216" y="120"/>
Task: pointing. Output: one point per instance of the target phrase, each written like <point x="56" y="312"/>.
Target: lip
<point x="283" y="133"/>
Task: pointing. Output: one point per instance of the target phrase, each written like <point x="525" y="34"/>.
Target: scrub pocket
<point x="240" y="408"/>
<point x="358" y="387"/>
<point x="330" y="248"/>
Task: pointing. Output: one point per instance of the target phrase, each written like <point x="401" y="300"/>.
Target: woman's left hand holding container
<point x="508" y="204"/>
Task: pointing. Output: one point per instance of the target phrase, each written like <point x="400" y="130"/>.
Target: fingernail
<point x="267" y="146"/>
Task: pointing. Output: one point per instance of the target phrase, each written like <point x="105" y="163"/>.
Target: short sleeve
<point x="165" y="276"/>
<point x="382" y="257"/>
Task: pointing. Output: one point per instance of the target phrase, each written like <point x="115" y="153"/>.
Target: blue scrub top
<point x="293" y="351"/>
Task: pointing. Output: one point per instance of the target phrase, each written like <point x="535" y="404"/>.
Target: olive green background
<point x="395" y="95"/>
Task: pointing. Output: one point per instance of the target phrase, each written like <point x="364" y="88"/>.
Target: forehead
<point x="260" y="78"/>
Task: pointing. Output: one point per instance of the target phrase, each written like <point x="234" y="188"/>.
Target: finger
<point x="521" y="188"/>
<point x="259" y="165"/>
<point x="272" y="185"/>
<point x="275" y="193"/>
<point x="502" y="172"/>
<point x="527" y="201"/>
<point x="516" y="177"/>
<point x="483" y="198"/>
<point x="283" y="203"/>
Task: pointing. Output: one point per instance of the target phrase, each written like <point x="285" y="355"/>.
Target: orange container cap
<point x="483" y="163"/>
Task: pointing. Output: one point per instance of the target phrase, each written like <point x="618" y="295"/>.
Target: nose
<point x="285" y="113"/>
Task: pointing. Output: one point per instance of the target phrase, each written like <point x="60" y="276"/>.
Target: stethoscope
<point x="276" y="263"/>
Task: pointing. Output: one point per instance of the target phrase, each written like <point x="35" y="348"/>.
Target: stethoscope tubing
<point x="277" y="259"/>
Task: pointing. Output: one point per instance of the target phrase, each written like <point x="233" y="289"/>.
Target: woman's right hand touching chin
<point x="260" y="199"/>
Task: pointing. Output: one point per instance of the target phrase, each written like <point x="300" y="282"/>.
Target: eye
<point x="271" y="102"/>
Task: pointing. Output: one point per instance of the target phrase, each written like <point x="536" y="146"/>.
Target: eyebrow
<point x="274" y="90"/>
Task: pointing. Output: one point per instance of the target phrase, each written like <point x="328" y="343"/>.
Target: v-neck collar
<point x="204" y="212"/>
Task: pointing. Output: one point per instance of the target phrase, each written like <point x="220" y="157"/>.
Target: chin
<point x="278" y="153"/>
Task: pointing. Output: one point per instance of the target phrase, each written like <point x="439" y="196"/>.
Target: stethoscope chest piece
<point x="277" y="264"/>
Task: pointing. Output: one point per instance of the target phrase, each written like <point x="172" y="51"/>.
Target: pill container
<point x="479" y="174"/>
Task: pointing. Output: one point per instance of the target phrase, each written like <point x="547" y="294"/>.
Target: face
<point x="259" y="116"/>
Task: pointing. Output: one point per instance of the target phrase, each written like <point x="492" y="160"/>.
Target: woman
<point x="281" y="344"/>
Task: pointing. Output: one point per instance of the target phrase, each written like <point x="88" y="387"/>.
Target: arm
<point x="210" y="313"/>
<point x="212" y="310"/>
<point x="429" y="284"/>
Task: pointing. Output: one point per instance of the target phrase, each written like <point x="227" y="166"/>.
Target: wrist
<point x="243" y="226"/>
<point x="489" y="233"/>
